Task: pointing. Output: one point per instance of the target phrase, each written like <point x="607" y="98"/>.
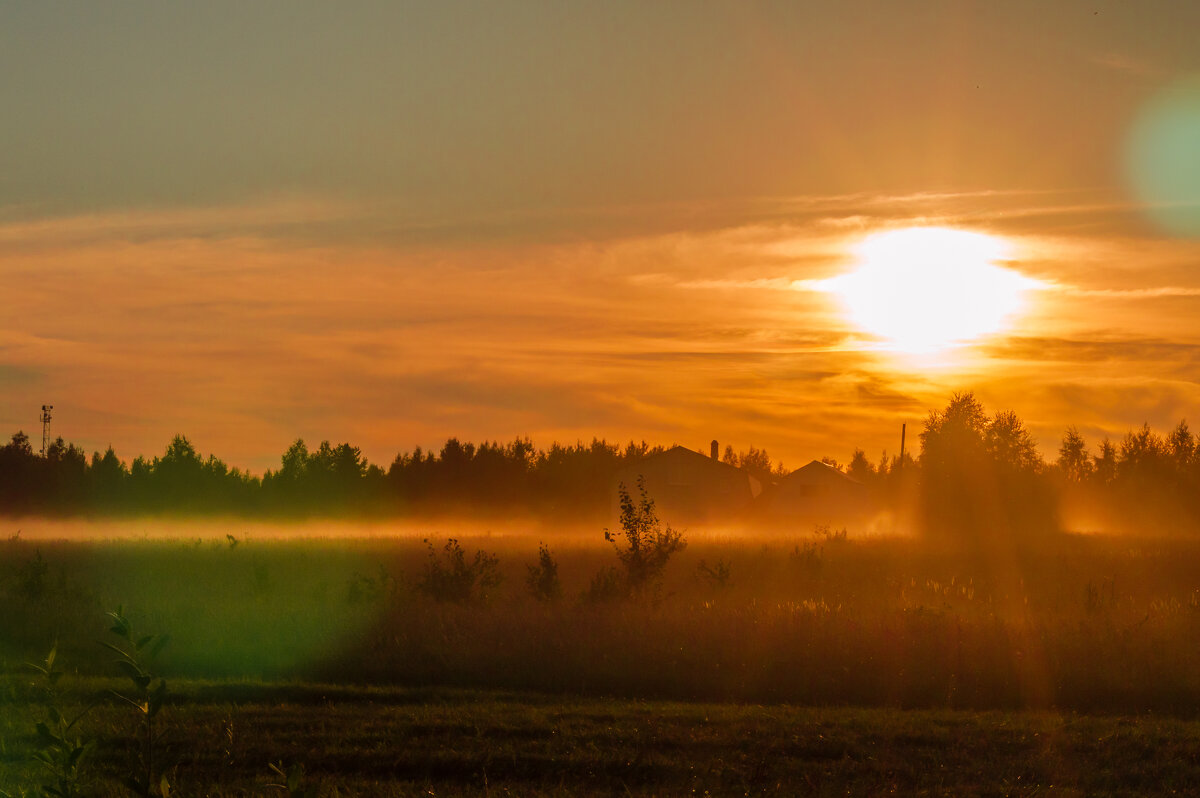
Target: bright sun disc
<point x="925" y="289"/>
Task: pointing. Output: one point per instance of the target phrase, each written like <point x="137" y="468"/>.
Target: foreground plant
<point x="60" y="749"/>
<point x="291" y="781"/>
<point x="451" y="577"/>
<point x="542" y="580"/>
<point x="147" y="698"/>
<point x="716" y="576"/>
<point x="645" y="544"/>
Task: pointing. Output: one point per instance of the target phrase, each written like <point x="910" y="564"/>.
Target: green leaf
<point x="140" y="644"/>
<point x="132" y="671"/>
<point x="159" y="645"/>
<point x="45" y="736"/>
<point x="54" y="714"/>
<point x="141" y="680"/>
<point x="115" y="649"/>
<point x="126" y="699"/>
<point x="295" y="777"/>
<point x="50" y="657"/>
<point x="121" y="624"/>
<point x="164" y="787"/>
<point x="157" y="696"/>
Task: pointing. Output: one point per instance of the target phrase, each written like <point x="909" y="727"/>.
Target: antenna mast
<point x="46" y="428"/>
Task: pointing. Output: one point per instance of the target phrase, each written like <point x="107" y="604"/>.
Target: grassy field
<point x="1085" y="624"/>
<point x="221" y="737"/>
<point x="802" y="664"/>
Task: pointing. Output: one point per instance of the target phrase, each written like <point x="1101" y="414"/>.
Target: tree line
<point x="327" y="480"/>
<point x="976" y="472"/>
<point x="983" y="474"/>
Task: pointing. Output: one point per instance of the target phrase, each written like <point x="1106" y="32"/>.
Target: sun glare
<point x="927" y="289"/>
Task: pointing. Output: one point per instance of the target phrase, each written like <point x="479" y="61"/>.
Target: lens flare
<point x="1163" y="157"/>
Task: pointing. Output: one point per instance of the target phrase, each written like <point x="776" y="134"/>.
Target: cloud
<point x="1131" y="66"/>
<point x="243" y="330"/>
<point x="1101" y="348"/>
<point x="331" y="220"/>
<point x="24" y="229"/>
<point x="1127" y="293"/>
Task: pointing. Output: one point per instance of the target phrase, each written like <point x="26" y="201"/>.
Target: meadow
<point x="847" y="661"/>
<point x="222" y="738"/>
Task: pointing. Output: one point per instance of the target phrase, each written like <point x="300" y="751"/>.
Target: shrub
<point x="608" y="585"/>
<point x="362" y="589"/>
<point x="33" y="578"/>
<point x="146" y="699"/>
<point x="808" y="558"/>
<point x="543" y="576"/>
<point x="716" y="575"/>
<point x="827" y="533"/>
<point x="451" y="578"/>
<point x="644" y="544"/>
<point x="60" y="749"/>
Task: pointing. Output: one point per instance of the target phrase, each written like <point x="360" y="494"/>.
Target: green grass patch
<point x="220" y="739"/>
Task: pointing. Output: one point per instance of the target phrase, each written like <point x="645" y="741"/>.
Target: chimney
<point x="716" y="451"/>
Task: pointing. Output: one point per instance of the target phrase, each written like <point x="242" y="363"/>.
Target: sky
<point x="391" y="223"/>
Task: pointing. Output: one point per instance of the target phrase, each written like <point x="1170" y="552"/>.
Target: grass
<point x="814" y="665"/>
<point x="397" y="741"/>
<point x="1076" y="624"/>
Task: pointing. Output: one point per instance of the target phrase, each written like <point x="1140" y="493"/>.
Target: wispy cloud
<point x="325" y="220"/>
<point x="244" y="329"/>
<point x="1128" y="65"/>
<point x="1126" y="293"/>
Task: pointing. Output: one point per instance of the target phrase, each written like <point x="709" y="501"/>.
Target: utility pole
<point x="46" y="428"/>
<point x="900" y="466"/>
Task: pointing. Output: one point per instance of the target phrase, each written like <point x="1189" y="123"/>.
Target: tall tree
<point x="1073" y="462"/>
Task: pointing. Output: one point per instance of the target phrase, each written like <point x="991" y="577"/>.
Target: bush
<point x="33" y="578"/>
<point x="543" y="577"/>
<point x="644" y="544"/>
<point x="808" y="558"/>
<point x="451" y="578"/>
<point x="362" y="589"/>
<point x="716" y="576"/>
<point x="608" y="585"/>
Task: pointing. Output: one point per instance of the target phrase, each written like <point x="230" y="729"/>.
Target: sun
<point x="928" y="289"/>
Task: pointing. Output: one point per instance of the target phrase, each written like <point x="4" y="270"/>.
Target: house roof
<point x="818" y="473"/>
<point x="686" y="454"/>
<point x="692" y="459"/>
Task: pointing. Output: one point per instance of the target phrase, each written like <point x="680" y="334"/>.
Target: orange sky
<point x="391" y="226"/>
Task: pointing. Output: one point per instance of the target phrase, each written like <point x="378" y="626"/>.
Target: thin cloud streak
<point x="1127" y="293"/>
<point x="325" y="220"/>
<point x="224" y="325"/>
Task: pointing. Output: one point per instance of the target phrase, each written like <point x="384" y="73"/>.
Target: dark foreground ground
<point x="220" y="738"/>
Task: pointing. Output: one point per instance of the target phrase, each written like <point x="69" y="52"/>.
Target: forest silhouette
<point x="976" y="473"/>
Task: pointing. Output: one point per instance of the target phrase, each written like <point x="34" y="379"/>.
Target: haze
<point x="392" y="223"/>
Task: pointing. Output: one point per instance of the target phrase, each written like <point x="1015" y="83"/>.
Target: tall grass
<point x="1073" y="622"/>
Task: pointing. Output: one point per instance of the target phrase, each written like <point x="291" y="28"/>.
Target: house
<point x="688" y="487"/>
<point x="818" y="493"/>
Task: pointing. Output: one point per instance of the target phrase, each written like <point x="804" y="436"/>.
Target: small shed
<point x="687" y="486"/>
